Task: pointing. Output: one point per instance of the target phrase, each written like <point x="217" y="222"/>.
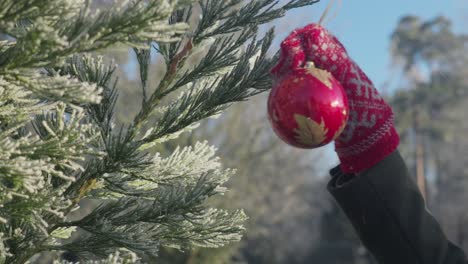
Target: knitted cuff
<point x="367" y="153"/>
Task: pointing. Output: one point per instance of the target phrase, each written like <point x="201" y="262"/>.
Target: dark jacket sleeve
<point x="389" y="214"/>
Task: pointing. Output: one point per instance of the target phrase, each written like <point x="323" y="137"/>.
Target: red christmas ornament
<point x="308" y="107"/>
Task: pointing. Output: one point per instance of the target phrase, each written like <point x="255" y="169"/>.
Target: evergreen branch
<point x="212" y="13"/>
<point x="93" y="70"/>
<point x="181" y="166"/>
<point x="55" y="88"/>
<point x="171" y="71"/>
<point x="249" y="77"/>
<point x="16" y="105"/>
<point x="234" y="19"/>
<point x="132" y="23"/>
<point x="121" y="153"/>
<point x="150" y="220"/>
<point x="169" y="202"/>
<point x="87" y="69"/>
<point x="187" y="162"/>
<point x="169" y="50"/>
<point x="59" y="149"/>
<point x="119" y="257"/>
<point x="31" y="10"/>
<point x="65" y="142"/>
<point x="222" y="53"/>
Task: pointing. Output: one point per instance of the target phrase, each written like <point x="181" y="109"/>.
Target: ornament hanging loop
<point x="327" y="10"/>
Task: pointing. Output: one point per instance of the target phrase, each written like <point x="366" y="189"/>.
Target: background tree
<point x="430" y="114"/>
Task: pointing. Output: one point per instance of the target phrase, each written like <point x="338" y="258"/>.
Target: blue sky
<point x="364" y="27"/>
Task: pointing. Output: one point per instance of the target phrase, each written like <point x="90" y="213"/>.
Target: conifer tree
<point x="60" y="144"/>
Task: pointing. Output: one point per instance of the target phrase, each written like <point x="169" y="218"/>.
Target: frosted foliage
<point x="60" y="143"/>
<point x="120" y="257"/>
<point x="185" y="161"/>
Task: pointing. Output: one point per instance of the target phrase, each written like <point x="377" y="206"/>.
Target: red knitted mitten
<point x="370" y="134"/>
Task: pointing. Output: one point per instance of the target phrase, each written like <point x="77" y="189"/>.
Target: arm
<point x="389" y="214"/>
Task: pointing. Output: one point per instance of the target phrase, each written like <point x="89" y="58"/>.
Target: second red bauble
<point x="308" y="108"/>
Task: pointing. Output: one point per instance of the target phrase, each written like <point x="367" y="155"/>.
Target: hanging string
<point x="327" y="10"/>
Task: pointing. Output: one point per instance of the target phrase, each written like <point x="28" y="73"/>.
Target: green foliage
<point x="429" y="46"/>
<point x="415" y="41"/>
<point x="119" y="257"/>
<point x="60" y="144"/>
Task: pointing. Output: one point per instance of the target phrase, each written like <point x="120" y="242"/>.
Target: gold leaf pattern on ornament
<point x="309" y="132"/>
<point x="322" y="75"/>
<point x="342" y="127"/>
